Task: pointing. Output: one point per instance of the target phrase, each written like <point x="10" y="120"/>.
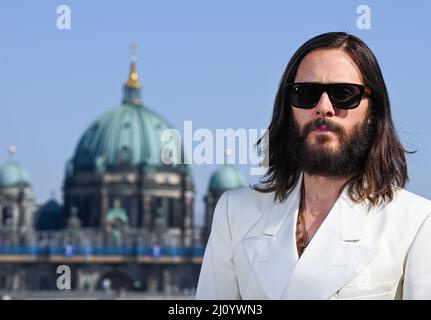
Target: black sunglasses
<point x="306" y="95"/>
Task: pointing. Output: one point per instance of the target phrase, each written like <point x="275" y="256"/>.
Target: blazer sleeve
<point x="417" y="273"/>
<point x="217" y="279"/>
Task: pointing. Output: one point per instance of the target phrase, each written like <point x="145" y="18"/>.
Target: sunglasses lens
<point x="342" y="95"/>
<point x="305" y="95"/>
<point x="345" y="96"/>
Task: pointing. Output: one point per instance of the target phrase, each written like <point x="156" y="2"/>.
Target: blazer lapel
<point x="332" y="259"/>
<point x="272" y="253"/>
<point x="334" y="256"/>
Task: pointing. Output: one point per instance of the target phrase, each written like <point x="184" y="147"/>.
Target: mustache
<point x="322" y="122"/>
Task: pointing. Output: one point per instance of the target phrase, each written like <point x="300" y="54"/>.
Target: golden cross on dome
<point x="133" y="80"/>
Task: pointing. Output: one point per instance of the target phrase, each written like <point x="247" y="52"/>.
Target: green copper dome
<point x="226" y="177"/>
<point x="129" y="135"/>
<point x="12" y="174"/>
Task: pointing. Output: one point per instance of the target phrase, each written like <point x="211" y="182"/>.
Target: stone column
<point x="188" y="219"/>
<point x="188" y="212"/>
<point x="152" y="280"/>
<point x="16" y="216"/>
<point x="167" y="281"/>
<point x="146" y="211"/>
<point x="104" y="206"/>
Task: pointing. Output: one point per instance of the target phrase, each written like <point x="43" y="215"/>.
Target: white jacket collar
<point x="333" y="257"/>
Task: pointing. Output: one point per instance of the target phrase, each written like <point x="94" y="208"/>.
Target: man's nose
<point x="324" y="107"/>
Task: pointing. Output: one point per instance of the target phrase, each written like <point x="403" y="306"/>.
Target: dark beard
<point x="318" y="159"/>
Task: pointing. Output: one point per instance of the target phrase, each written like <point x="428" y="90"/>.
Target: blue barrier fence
<point x="76" y="250"/>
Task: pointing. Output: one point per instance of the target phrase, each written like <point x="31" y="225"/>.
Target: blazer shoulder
<point x="411" y="202"/>
<point x="245" y="206"/>
<point x="415" y="199"/>
<point x="410" y="209"/>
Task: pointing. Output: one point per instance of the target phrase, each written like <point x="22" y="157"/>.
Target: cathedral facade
<point x="126" y="221"/>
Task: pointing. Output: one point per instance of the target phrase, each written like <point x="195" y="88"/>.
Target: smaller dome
<point x="50" y="216"/>
<point x="226" y="177"/>
<point x="13" y="174"/>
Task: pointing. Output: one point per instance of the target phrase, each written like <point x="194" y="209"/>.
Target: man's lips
<point x="322" y="129"/>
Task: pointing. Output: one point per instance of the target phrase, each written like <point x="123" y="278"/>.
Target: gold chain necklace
<point x="304" y="239"/>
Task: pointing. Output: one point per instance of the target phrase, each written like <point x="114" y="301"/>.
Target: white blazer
<point x="251" y="252"/>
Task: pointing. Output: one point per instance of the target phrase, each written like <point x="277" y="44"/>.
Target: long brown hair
<point x="385" y="166"/>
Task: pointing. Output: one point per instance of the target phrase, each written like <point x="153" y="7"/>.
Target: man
<point x="330" y="219"/>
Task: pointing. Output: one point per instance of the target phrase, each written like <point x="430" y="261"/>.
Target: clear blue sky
<point x="217" y="63"/>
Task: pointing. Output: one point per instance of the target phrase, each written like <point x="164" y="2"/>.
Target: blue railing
<point x="77" y="250"/>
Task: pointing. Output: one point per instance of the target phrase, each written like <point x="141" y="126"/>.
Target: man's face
<point x="339" y="150"/>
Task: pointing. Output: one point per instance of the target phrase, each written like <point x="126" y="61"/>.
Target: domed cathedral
<point x="17" y="204"/>
<point x="226" y="177"/>
<point x="127" y="217"/>
<point x="123" y="203"/>
<point x="117" y="167"/>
